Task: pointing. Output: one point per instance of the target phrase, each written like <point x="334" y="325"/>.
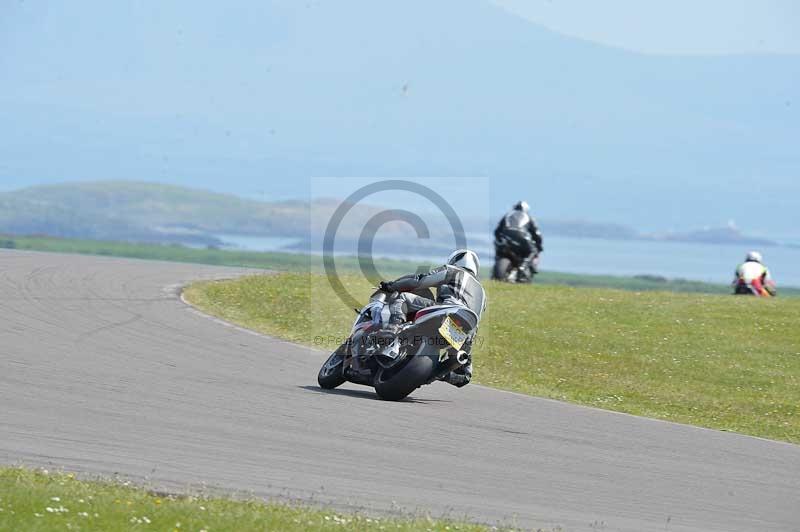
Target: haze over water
<point x="698" y="262"/>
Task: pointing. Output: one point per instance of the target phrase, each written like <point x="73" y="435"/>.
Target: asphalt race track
<point x="104" y="370"/>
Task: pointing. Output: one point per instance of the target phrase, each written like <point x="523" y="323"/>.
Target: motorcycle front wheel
<point x="330" y="374"/>
<point x="395" y="385"/>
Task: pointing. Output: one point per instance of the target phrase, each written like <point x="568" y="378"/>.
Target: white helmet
<point x="754" y="256"/>
<point x="522" y="206"/>
<point x="466" y="259"/>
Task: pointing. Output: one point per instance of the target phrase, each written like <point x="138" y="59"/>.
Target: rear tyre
<point x="330" y="374"/>
<point x="396" y="385"/>
<point x="501" y="268"/>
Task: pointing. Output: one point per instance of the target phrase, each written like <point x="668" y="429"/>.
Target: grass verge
<point x="724" y="362"/>
<point x="36" y="501"/>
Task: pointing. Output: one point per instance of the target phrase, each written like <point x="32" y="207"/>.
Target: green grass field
<point x="718" y="361"/>
<point x="33" y="501"/>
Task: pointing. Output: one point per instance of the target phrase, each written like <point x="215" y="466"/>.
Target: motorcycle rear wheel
<point x="501" y="269"/>
<point x="393" y="385"/>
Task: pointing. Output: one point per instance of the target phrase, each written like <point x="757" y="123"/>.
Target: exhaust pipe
<point x="460" y="359"/>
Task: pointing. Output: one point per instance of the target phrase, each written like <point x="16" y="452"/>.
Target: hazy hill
<point x="232" y="96"/>
<point x="143" y="211"/>
<point x="148" y="212"/>
<point x="121" y="210"/>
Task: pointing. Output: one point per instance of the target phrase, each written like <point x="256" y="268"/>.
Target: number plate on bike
<point x="451" y="332"/>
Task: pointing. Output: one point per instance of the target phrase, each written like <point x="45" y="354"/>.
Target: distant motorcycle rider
<point x="753" y="278"/>
<point x="518" y="223"/>
<point x="456" y="283"/>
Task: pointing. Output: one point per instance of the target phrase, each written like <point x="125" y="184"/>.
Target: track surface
<point x="104" y="370"/>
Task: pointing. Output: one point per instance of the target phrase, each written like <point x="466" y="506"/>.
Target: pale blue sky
<point x="253" y="96"/>
<point x="674" y="26"/>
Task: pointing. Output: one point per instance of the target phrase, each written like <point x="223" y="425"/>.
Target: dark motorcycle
<point x="515" y="260"/>
<point x="423" y="351"/>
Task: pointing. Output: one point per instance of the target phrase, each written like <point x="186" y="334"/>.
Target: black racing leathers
<point x="455" y="286"/>
<point x="520" y="221"/>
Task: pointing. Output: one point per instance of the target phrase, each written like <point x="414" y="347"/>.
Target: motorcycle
<point x="513" y="262"/>
<point x="755" y="287"/>
<point x="395" y="364"/>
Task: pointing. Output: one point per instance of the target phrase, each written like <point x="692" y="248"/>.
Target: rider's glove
<point x="385" y="286"/>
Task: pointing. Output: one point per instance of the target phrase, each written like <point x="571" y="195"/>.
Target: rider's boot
<point x="533" y="266"/>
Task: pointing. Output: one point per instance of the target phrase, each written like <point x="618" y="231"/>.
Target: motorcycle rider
<point x="456" y="283"/>
<point x="518" y="222"/>
<point x="753" y="278"/>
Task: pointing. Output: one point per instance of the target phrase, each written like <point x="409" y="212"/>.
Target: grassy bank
<point x="35" y="501"/>
<point x="724" y="362"/>
<point x="300" y="262"/>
